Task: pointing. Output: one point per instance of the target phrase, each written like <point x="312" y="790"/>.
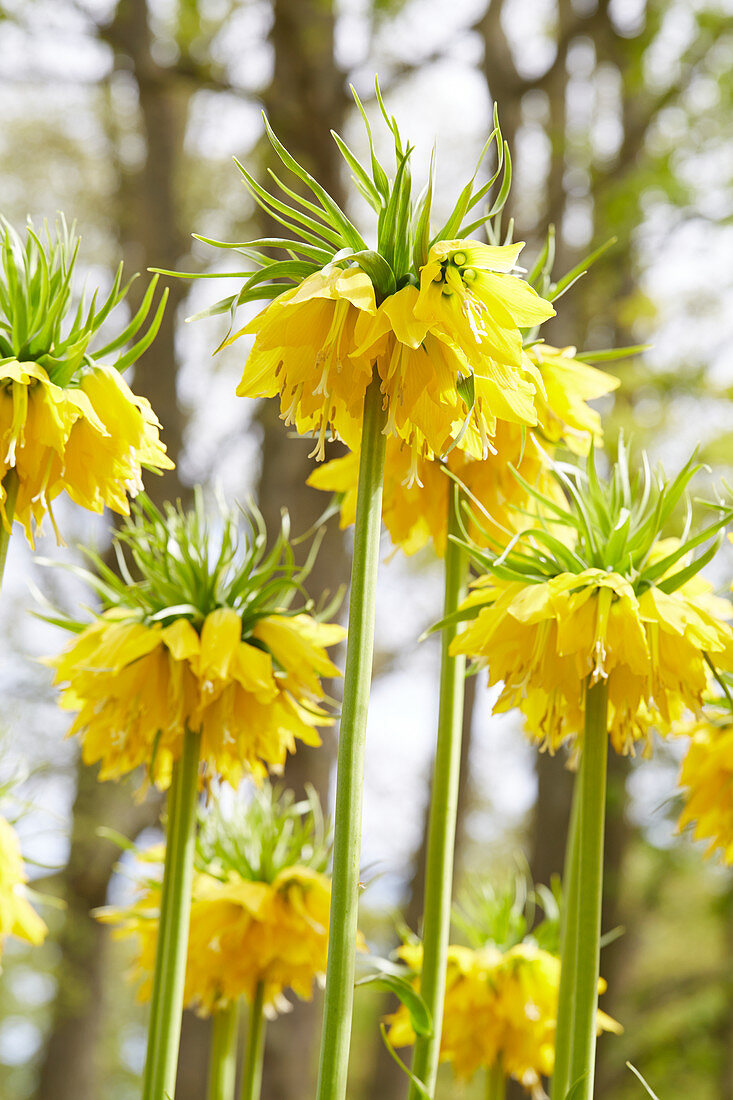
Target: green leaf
<point x="395" y="1056"/>
<point x="361" y="176"/>
<point x="575" y="273"/>
<point x="420" y="1018"/>
<point x="336" y="216"/>
<point x="636" y="1074"/>
<point x="577" y="1089"/>
<point x="376" y="267"/>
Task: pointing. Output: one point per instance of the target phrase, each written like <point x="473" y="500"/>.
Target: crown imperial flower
<point x="706" y="776"/>
<point x="68" y="420"/>
<point x="611" y="603"/>
<point x="260" y="906"/>
<point x="437" y="319"/>
<point x="204" y="639"/>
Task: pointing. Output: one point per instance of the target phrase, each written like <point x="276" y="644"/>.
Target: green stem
<point x="223" y="1058"/>
<point x="254" y="1055"/>
<point x="159" y="1080"/>
<point x="339" y="996"/>
<point x="10" y="485"/>
<point x="568" y="951"/>
<point x="495" y="1082"/>
<point x="593" y="767"/>
<point x="443" y="812"/>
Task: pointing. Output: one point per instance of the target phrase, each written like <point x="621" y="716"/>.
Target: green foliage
<point x="38" y="321"/>
<point x="321" y="234"/>
<point x="506" y="916"/>
<point x="259" y="838"/>
<point x="186" y="564"/>
<point x="612" y="524"/>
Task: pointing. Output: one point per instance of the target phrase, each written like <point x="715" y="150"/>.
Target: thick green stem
<point x="254" y="1055"/>
<point x="495" y="1083"/>
<point x="10" y="485"/>
<point x="568" y="951"/>
<point x="159" y="1080"/>
<point x="593" y="766"/>
<point x="223" y="1058"/>
<point x="339" y="997"/>
<point x="443" y="812"/>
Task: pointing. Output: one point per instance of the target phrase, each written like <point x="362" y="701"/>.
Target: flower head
<point x="68" y="422"/>
<point x="260" y="908"/>
<point x="706" y="776"/>
<point x="415" y="495"/>
<point x="437" y="318"/>
<point x="609" y="603"/>
<point x="17" y="916"/>
<point x="501" y="996"/>
<point x="203" y="638"/>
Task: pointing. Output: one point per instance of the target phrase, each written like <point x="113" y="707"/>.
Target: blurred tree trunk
<point x="149" y="235"/>
<point x="304" y="101"/>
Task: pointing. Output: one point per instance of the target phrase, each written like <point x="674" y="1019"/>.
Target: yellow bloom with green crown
<point x="438" y="317"/>
<point x="203" y="640"/>
<point x="68" y="420"/>
<point x="610" y="602"/>
<point x="501" y="992"/>
<point x="260" y="906"/>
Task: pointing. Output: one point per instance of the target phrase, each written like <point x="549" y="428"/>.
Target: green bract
<point x="505" y="917"/>
<point x="258" y="839"/>
<point x="612" y="524"/>
<point x="321" y="233"/>
<point x="39" y="320"/>
<point x="186" y="564"/>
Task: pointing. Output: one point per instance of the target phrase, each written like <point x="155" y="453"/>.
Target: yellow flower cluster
<point x="318" y="344"/>
<point x="137" y="687"/>
<point x="90" y="440"/>
<point x="707" y="776"/>
<point x="17" y="915"/>
<point x="241" y="933"/>
<point x="545" y="640"/>
<point x="500" y="1008"/>
<point x="415" y="496"/>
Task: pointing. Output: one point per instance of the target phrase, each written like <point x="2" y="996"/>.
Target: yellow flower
<point x="305" y="351"/>
<point x="468" y="295"/>
<point x="707" y="779"/>
<point x="242" y="932"/>
<point x="415" y="497"/>
<point x="562" y="403"/>
<point x="90" y="440"/>
<point x="68" y="423"/>
<point x="499" y="1008"/>
<point x="138" y="686"/>
<point x="545" y="640"/>
<point x="17" y="916"/>
<point x="317" y="345"/>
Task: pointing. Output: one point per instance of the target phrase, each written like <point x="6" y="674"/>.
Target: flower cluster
<point x="204" y="641"/>
<point x="259" y="912"/>
<point x="611" y="603"/>
<point x="439" y="321"/>
<point x="501" y="994"/>
<point x="17" y="916"/>
<point x="68" y="421"/>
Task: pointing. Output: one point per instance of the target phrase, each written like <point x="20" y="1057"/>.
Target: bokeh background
<point x="125" y="115"/>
